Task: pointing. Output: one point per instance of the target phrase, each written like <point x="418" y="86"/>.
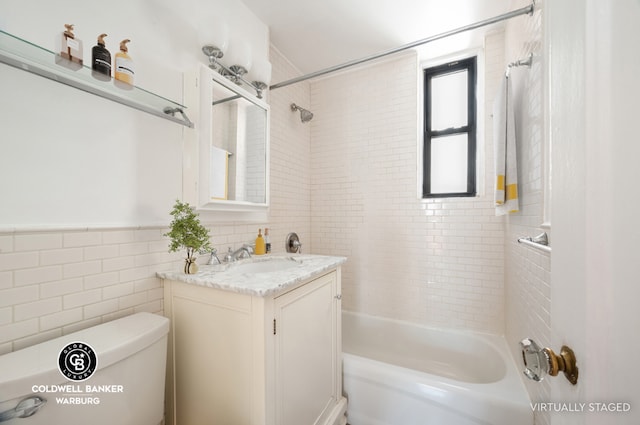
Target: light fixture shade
<point x="239" y="55"/>
<point x="214" y="32"/>
<point x="261" y="71"/>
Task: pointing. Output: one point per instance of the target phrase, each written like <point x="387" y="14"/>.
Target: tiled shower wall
<point x="56" y="281"/>
<point x="436" y="262"/>
<point x="527" y="271"/>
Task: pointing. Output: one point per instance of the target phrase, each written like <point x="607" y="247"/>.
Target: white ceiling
<point x="317" y="34"/>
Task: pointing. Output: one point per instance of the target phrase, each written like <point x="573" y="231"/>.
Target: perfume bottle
<point x="69" y="49"/>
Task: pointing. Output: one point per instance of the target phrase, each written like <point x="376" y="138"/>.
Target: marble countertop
<point x="240" y="276"/>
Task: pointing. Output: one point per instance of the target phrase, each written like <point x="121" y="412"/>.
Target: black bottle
<point x="101" y="60"/>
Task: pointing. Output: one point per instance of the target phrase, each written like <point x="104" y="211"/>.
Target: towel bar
<point x="540" y="242"/>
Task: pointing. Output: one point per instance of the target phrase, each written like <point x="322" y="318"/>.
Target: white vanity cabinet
<point x="244" y="359"/>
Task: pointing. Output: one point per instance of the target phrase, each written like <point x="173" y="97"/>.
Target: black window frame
<point x="470" y="65"/>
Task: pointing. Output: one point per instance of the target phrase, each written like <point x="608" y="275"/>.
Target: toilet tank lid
<point x="112" y="342"/>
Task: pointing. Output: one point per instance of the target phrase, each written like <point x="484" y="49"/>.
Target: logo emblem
<point x="77" y="361"/>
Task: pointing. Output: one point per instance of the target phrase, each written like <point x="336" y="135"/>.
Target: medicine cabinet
<point x="227" y="156"/>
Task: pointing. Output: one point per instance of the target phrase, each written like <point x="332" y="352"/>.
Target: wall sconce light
<point x="260" y="76"/>
<point x="215" y="37"/>
<point x="240" y="58"/>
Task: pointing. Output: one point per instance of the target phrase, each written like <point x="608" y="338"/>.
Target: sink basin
<point x="265" y="266"/>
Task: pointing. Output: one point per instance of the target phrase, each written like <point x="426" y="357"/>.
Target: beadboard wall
<point x="437" y="262"/>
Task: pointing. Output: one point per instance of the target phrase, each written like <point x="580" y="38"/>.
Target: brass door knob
<point x="540" y="362"/>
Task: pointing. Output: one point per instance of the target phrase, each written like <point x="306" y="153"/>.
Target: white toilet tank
<point x="125" y="386"/>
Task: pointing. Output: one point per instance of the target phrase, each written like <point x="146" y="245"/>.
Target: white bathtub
<point x="396" y="373"/>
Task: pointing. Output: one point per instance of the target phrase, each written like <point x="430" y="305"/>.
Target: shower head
<point x="305" y="115"/>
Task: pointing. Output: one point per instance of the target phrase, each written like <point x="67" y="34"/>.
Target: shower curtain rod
<point x="525" y="10"/>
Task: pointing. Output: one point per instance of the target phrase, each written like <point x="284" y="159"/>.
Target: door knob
<point x="539" y="362"/>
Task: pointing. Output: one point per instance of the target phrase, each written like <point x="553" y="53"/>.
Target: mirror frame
<point x="198" y="89"/>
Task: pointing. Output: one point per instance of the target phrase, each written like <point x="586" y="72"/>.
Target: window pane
<point x="449" y="164"/>
<point x="449" y="101"/>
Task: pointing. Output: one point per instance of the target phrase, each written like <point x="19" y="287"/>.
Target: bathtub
<point x="396" y="373"/>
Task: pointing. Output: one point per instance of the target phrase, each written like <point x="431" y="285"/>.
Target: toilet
<point x="122" y="383"/>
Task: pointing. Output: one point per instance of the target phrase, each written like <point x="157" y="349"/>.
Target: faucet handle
<point x="214" y="254"/>
<point x="293" y="244"/>
<point x="228" y="258"/>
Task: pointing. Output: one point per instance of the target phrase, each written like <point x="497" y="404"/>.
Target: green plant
<point x="186" y="231"/>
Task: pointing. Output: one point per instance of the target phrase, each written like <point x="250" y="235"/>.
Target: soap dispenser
<point x="124" y="66"/>
<point x="101" y="60"/>
<point x="267" y="241"/>
<point x="69" y="49"/>
<point x="260" y="244"/>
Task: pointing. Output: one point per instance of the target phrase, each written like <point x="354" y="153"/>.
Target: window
<point x="449" y="168"/>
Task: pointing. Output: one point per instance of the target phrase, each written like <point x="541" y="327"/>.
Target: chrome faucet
<point x="228" y="257"/>
<point x="243" y="252"/>
<point x="214" y="258"/>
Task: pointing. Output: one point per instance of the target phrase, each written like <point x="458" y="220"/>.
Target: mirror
<point x="238" y="147"/>
<point x="231" y="147"/>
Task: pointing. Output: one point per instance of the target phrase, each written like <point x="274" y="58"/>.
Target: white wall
<point x="95" y="262"/>
<point x="70" y="158"/>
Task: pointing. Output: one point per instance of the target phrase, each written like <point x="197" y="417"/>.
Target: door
<point x="306" y="321"/>
<point x="595" y="264"/>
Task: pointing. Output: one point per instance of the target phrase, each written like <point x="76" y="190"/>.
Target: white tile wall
<point x="55" y="282"/>
<point x="527" y="271"/>
<point x="437" y="262"/>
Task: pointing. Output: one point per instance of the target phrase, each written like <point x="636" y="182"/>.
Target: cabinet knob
<point x="338" y="297"/>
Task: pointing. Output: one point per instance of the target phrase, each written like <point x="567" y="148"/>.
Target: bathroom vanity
<point x="256" y="342"/>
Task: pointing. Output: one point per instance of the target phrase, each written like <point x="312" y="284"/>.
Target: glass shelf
<point x="30" y="57"/>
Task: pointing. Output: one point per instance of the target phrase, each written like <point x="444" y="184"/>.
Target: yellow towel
<point x="504" y="139"/>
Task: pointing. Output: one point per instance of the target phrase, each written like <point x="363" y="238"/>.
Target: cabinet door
<point x="213" y="352"/>
<point x="307" y="352"/>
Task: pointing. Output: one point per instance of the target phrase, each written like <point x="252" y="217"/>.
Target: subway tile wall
<point x="290" y="159"/>
<point x="527" y="271"/>
<point x="438" y="262"/>
<point x="56" y="282"/>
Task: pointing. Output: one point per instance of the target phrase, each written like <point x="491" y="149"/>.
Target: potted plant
<point x="186" y="231"/>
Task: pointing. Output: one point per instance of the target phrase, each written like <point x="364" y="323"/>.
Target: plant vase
<point x="190" y="266"/>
